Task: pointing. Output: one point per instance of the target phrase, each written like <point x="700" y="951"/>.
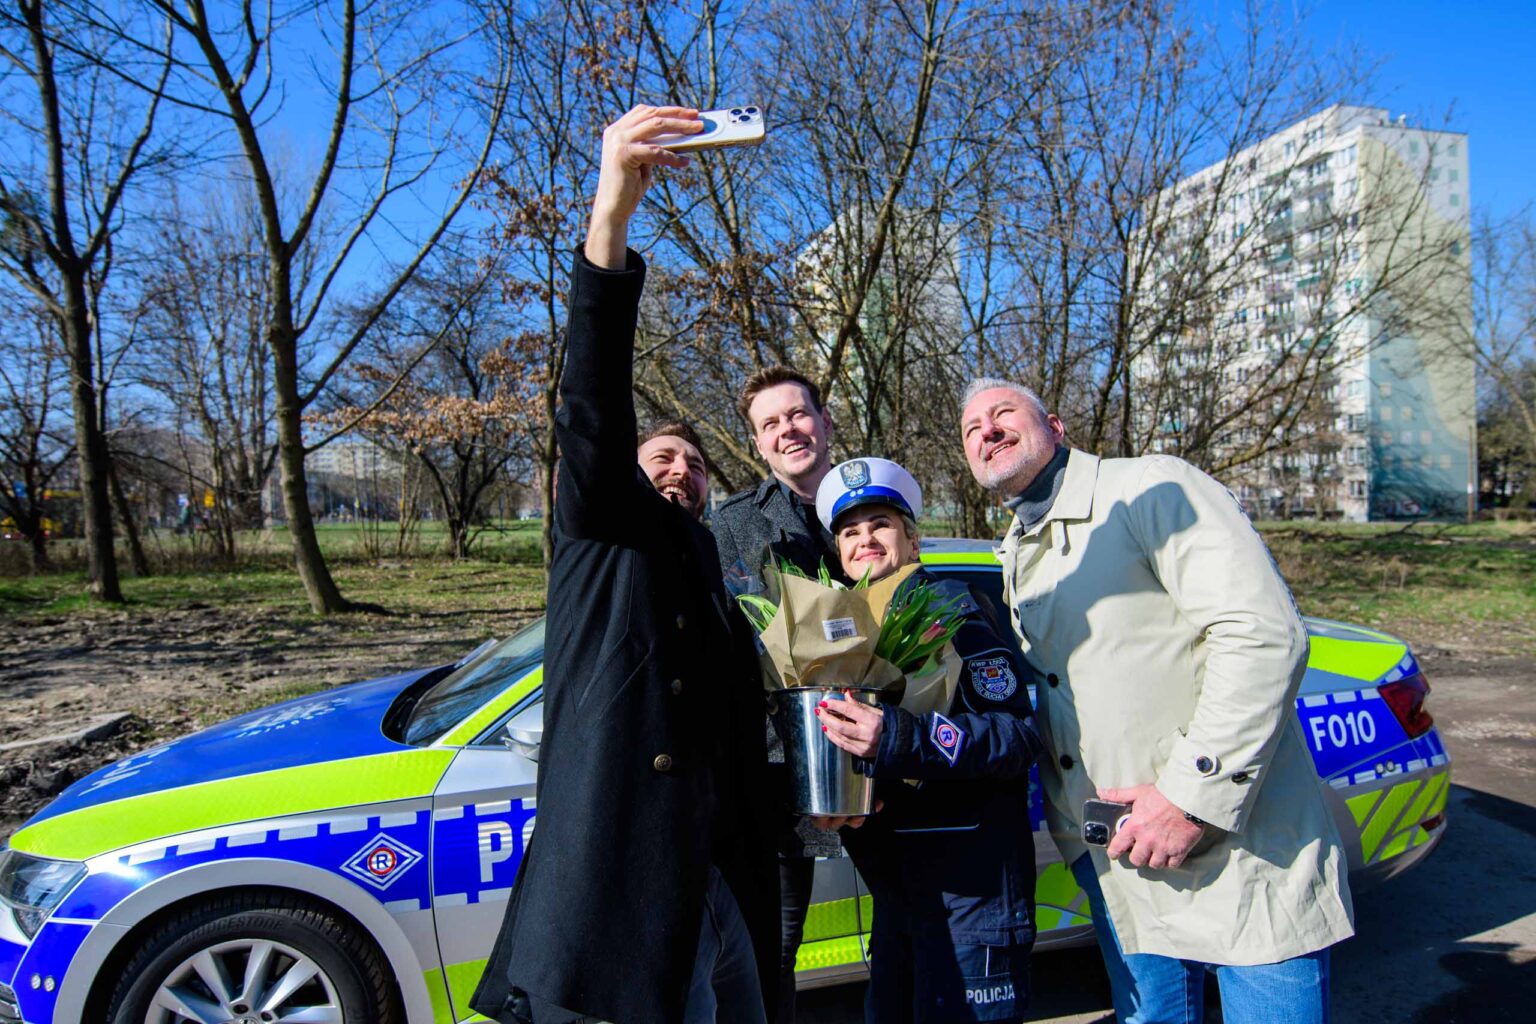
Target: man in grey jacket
<point x="777" y="518"/>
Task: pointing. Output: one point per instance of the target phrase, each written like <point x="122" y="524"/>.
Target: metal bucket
<point x="822" y="776"/>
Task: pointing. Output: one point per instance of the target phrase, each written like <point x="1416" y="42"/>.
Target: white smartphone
<point x="734" y="126"/>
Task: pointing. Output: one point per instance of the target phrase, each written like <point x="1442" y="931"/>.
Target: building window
<point x="1356" y="388"/>
<point x="1453" y="175"/>
<point x="1426" y="463"/>
<point x="1451" y="149"/>
<point x="1357" y="488"/>
<point x="1386" y="389"/>
<point x="1413" y="148"/>
<point x="1386" y="414"/>
<point x="1356" y="422"/>
<point x="1426" y="438"/>
<point x="1455" y="199"/>
<point x="1406" y="437"/>
<point x="1445" y="462"/>
<point x="1356" y="456"/>
<point x="1407" y="413"/>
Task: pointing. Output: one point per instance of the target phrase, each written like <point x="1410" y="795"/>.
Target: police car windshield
<point x="471" y="685"/>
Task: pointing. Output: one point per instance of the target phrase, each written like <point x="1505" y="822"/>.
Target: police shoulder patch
<point x="947" y="737"/>
<point x="993" y="678"/>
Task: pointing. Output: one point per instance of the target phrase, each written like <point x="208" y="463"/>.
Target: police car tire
<point x="351" y="961"/>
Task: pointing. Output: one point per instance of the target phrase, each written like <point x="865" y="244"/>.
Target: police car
<point x="348" y="856"/>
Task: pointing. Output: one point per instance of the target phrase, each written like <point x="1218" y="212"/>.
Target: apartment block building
<point x="1320" y="358"/>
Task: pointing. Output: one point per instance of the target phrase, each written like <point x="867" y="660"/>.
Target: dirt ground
<point x="173" y="671"/>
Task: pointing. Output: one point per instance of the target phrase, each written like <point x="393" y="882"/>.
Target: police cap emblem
<point x="855" y="474"/>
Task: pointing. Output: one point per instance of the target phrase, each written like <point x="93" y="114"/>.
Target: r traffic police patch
<point x="854" y="474"/>
<point x="381" y="861"/>
<point x="993" y="678"/>
<point x="947" y="736"/>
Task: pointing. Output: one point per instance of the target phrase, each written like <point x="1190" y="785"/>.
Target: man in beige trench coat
<point x="1171" y="651"/>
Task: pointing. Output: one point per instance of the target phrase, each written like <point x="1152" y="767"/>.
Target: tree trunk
<point x="39" y="541"/>
<point x="136" y="556"/>
<point x="95" y="462"/>
<point x="324" y="596"/>
<point x="551" y="465"/>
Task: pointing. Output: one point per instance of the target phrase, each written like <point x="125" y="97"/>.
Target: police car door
<point x="482" y="817"/>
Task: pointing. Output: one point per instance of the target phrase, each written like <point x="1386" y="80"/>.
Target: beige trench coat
<point x="1171" y="651"/>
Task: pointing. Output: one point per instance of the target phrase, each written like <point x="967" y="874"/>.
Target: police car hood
<point x="277" y="744"/>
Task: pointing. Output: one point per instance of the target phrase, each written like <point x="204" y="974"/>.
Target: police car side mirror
<point x="524" y="731"/>
<point x="521" y="741"/>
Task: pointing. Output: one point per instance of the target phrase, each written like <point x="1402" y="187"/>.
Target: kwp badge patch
<point x="993" y="678"/>
<point x="381" y="861"/>
<point x="947" y="736"/>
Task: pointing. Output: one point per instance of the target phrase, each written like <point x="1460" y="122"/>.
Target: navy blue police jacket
<point x="956" y="849"/>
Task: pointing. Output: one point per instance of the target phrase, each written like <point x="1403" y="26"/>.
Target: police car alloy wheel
<point x="255" y="959"/>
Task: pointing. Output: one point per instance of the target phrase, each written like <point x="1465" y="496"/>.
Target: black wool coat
<point x="652" y="763"/>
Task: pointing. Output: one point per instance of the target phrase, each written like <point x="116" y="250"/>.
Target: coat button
<point x="681" y="622"/>
<point x="1239" y="776"/>
<point x="1052" y="679"/>
<point x="1066" y="761"/>
<point x="677" y="687"/>
<point x="663" y="763"/>
<point x="1205" y="765"/>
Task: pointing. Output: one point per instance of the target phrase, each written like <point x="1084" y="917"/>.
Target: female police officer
<point x="949" y="857"/>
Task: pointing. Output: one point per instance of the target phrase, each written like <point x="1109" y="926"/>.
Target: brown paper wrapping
<point x="822" y="636"/>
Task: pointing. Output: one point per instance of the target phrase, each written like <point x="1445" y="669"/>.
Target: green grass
<point x="1462" y="587"/>
<point x="403" y="586"/>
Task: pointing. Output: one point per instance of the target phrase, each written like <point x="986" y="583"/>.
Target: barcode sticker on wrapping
<point x="838" y="629"/>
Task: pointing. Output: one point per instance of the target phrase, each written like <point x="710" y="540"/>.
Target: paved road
<point x="1451" y="942"/>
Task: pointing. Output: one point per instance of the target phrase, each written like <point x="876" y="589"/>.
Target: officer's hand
<point x="628" y="161"/>
<point x="1157" y="835"/>
<point x="851" y="725"/>
<point x="833" y="824"/>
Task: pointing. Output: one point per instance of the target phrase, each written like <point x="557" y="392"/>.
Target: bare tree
<point x="405" y="88"/>
<point x="204" y="314"/>
<point x="78" y="141"/>
<point x="1502" y="342"/>
<point x="441" y="389"/>
<point x="36" y="439"/>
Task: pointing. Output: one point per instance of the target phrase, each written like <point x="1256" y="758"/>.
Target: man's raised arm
<point x="595" y="426"/>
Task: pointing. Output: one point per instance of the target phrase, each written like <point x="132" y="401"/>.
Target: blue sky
<point x="1475" y="61"/>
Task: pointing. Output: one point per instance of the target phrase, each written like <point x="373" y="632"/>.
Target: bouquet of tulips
<point x="892" y="635"/>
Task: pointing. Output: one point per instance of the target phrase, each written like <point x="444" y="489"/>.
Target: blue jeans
<point x="1151" y="989"/>
<point x="725" y="986"/>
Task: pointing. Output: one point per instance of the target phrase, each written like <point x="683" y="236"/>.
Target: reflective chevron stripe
<point x="1389" y="818"/>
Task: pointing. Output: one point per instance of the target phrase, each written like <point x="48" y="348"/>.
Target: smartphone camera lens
<point x="751" y="110"/>
<point x="735" y="111"/>
<point x="1096" y="833"/>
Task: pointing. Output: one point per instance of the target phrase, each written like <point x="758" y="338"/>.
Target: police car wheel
<point x="255" y="959"/>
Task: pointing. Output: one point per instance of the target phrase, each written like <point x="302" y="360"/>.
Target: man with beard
<point x="771" y="520"/>
<point x="648" y="890"/>
<point x="1171" y="651"/>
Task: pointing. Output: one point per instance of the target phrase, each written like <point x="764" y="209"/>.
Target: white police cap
<point x="867" y="482"/>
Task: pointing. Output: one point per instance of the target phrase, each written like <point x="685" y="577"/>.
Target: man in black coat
<point x="777" y="519"/>
<point x="654" y="822"/>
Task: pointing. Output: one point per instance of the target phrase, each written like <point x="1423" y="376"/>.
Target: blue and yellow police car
<point x="348" y="855"/>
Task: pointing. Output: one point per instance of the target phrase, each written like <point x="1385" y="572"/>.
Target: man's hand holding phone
<point x="1157" y="834"/>
<point x="629" y="158"/>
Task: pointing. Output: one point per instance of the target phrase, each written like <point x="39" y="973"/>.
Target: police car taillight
<point x="1406" y="699"/>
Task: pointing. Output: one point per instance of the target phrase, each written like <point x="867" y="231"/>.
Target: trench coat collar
<point x="1075" y="500"/>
